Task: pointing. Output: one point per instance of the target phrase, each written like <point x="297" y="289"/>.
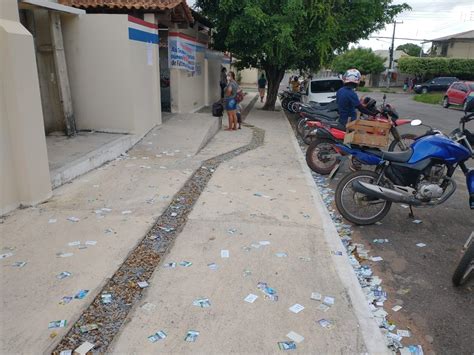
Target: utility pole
<point x="390" y="66"/>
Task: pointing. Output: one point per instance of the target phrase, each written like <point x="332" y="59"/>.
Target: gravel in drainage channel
<point x="143" y="260"/>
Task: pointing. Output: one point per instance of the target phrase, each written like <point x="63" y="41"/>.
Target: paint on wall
<point x="142" y="31"/>
<point x="182" y="51"/>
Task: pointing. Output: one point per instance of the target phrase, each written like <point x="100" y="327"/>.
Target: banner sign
<point x="182" y="51"/>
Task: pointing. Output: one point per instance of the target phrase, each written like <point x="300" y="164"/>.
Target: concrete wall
<point x="213" y="65"/>
<point x="461" y="50"/>
<point x="24" y="177"/>
<point x="249" y="76"/>
<point x="113" y="88"/>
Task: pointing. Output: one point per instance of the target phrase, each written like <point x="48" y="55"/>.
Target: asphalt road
<point x="440" y="316"/>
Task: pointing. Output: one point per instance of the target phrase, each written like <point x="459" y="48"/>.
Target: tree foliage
<point x="277" y="35"/>
<point x="461" y="68"/>
<point x="410" y="49"/>
<point x="363" y="59"/>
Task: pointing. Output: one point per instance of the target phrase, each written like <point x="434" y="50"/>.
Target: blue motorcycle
<point x="421" y="176"/>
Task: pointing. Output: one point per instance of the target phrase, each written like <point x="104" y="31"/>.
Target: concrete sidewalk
<point x="256" y="205"/>
<point x="115" y="205"/>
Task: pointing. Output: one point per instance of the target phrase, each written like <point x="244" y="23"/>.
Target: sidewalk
<point x="256" y="205"/>
<point x="115" y="205"/>
<point x="265" y="195"/>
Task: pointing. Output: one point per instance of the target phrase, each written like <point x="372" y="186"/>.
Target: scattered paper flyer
<point x="202" y="302"/>
<point x="169" y="265"/>
<point x="296" y="308"/>
<point x="88" y="327"/>
<point x="106" y="298"/>
<point x="191" y="336"/>
<point x="65" y="255"/>
<point x="421" y="245"/>
<point x="376" y="258"/>
<point x="91" y="242"/>
<point x="65" y="300"/>
<point x="250" y="298"/>
<point x="142" y="284"/>
<point x="295" y="337"/>
<point x="417" y="221"/>
<point x="66" y="352"/>
<point x="411" y="350"/>
<point x="316" y="296"/>
<point x="19" y="264"/>
<point x="281" y="255"/>
<point x="63" y="275"/>
<point x="212" y="266"/>
<point x="323" y="307"/>
<point x="396" y="308"/>
<point x="74" y="244"/>
<point x="287" y="345"/>
<point x="73" y="219"/>
<point x="126" y="212"/>
<point x="403" y="333"/>
<point x="185" y="263"/>
<point x="304" y="258"/>
<point x="6" y="255"/>
<point x="84" y="348"/>
<point x="224" y="253"/>
<point x="81" y="294"/>
<point x="159" y="335"/>
<point x="264" y="242"/>
<point x="52" y="220"/>
<point x="325" y="323"/>
<point x="57" y="324"/>
<point x="329" y="301"/>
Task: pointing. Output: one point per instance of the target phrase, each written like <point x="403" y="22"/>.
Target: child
<point x="239" y="115"/>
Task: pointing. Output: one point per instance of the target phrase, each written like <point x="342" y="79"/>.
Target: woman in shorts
<point x="230" y="100"/>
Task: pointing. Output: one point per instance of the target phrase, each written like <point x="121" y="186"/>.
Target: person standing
<point x="230" y="100"/>
<point x="295" y="84"/>
<point x="405" y="84"/>
<point x="262" y="83"/>
<point x="223" y="81"/>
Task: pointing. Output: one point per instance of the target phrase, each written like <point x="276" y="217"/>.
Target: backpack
<point x="217" y="109"/>
<point x="240" y="96"/>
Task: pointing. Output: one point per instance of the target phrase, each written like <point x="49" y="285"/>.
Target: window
<point x="325" y="86"/>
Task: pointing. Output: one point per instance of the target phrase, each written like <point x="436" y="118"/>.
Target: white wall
<point x="24" y="172"/>
<point x="113" y="88"/>
<point x="249" y="76"/>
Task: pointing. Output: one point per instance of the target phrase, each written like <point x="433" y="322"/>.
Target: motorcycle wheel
<point x="465" y="266"/>
<point x="295" y="106"/>
<point x="321" y="156"/>
<point x="308" y="139"/>
<point x="300" y="127"/>
<point x="356" y="207"/>
<point x="290" y="106"/>
<point x="406" y="138"/>
<point x="284" y="104"/>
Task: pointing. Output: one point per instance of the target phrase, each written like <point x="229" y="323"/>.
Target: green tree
<point x="410" y="49"/>
<point x="363" y="59"/>
<point x="277" y="35"/>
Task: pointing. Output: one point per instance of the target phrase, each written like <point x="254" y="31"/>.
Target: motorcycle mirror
<point x="415" y="123"/>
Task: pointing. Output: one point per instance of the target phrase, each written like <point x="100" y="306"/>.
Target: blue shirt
<point x="347" y="101"/>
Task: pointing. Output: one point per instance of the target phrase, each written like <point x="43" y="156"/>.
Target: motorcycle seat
<point x="397" y="157"/>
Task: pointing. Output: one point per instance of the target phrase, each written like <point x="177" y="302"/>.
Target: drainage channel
<point x="108" y="318"/>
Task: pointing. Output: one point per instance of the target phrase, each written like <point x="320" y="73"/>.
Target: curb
<point x="373" y="338"/>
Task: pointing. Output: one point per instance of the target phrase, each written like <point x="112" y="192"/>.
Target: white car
<point x="322" y="90"/>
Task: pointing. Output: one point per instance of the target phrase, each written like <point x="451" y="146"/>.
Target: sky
<point x="428" y="19"/>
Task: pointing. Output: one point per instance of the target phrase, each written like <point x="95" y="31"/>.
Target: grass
<point x="363" y="89"/>
<point x="434" y="99"/>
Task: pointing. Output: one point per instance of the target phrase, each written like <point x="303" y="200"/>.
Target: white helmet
<point x="351" y="76"/>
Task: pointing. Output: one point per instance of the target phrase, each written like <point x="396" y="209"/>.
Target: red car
<point x="457" y="93"/>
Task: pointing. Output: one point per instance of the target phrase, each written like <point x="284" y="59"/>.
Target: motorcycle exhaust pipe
<point x="384" y="193"/>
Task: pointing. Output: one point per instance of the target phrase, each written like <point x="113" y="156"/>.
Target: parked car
<point x="322" y="91"/>
<point x="457" y="93"/>
<point x="436" y="84"/>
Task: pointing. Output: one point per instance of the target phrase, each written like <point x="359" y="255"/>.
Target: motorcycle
<point x="421" y="176"/>
<point x="466" y="264"/>
<point x="323" y="154"/>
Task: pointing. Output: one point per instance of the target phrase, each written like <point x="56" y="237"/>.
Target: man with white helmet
<point x="347" y="100"/>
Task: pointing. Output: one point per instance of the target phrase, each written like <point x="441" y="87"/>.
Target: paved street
<point x="419" y="279"/>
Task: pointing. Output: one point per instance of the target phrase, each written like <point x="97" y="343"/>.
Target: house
<point x="396" y="78"/>
<point x="459" y="45"/>
<point x="92" y="66"/>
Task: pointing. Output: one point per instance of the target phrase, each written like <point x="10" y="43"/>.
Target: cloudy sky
<point x="428" y="19"/>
